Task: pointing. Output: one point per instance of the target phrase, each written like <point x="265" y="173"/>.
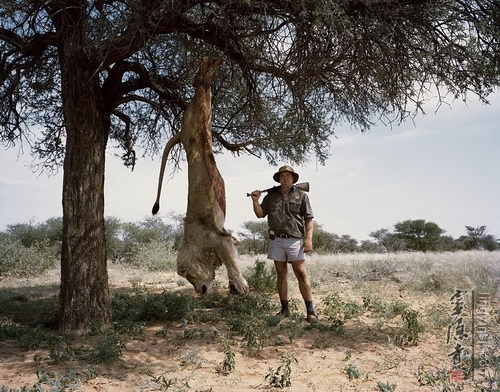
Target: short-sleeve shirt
<point x="287" y="214"/>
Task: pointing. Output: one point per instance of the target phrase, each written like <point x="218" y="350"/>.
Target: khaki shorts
<point x="286" y="249"/>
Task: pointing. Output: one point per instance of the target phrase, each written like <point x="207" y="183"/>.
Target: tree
<point x="254" y="237"/>
<point x="348" y="244"/>
<point x="113" y="226"/>
<point x="28" y="234"/>
<point x="479" y="239"/>
<point x="387" y="240"/>
<point x="419" y="235"/>
<point x="370" y="247"/>
<point x="323" y="241"/>
<point x="177" y="227"/>
<point x="150" y="229"/>
<point x="76" y="74"/>
<point x="448" y="244"/>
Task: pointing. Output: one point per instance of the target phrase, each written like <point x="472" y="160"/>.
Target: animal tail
<point x="172" y="142"/>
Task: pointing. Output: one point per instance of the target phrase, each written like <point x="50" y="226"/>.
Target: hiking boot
<point x="312" y="317"/>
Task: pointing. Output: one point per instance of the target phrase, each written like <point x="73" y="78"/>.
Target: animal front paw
<point x="238" y="286"/>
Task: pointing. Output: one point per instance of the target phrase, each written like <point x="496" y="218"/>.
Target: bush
<point x="20" y="261"/>
<point x="337" y="309"/>
<point x="107" y="349"/>
<point x="152" y="307"/>
<point x="262" y="278"/>
<point x="281" y="377"/>
<point x="155" y="255"/>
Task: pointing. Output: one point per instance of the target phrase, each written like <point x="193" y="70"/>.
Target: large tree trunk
<point x="84" y="295"/>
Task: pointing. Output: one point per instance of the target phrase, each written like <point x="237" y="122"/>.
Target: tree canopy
<point x="294" y="69"/>
<point x="77" y="74"/>
<point x="478" y="238"/>
<point x="419" y="235"/>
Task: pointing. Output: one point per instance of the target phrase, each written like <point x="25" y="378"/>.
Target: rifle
<point x="303" y="186"/>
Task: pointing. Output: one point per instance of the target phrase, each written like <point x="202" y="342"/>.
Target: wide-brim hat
<point x="288" y="169"/>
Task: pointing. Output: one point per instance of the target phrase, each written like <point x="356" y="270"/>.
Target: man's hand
<point x="257" y="209"/>
<point x="308" y="241"/>
<point x="255" y="195"/>
<point x="308" y="245"/>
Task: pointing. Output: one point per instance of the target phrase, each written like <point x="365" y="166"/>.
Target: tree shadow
<point x="32" y="306"/>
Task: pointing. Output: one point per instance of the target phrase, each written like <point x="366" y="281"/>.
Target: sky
<point x="444" y="168"/>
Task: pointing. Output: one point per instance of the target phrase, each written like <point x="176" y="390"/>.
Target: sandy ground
<point x="169" y="362"/>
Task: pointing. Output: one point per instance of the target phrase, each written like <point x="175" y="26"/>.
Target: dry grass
<point x="479" y="270"/>
<point x="363" y="301"/>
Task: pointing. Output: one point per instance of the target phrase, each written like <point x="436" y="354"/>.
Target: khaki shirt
<point x="287" y="214"/>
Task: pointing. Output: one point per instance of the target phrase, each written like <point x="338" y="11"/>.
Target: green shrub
<point x="33" y="338"/>
<point x="60" y="351"/>
<point x="107" y="349"/>
<point x="249" y="305"/>
<point x="29" y="338"/>
<point x="255" y="332"/>
<point x="373" y="303"/>
<point x="20" y="261"/>
<point x="413" y="327"/>
<point x="281" y="377"/>
<point x="261" y="278"/>
<point x="153" y="307"/>
<point x="155" y="255"/>
<point x="434" y="378"/>
<point x="337" y="309"/>
<point x="395" y="308"/>
<point x="163" y="382"/>
<point x="352" y="371"/>
<point x="386" y="387"/>
<point x="9" y="329"/>
<point x="292" y="327"/>
<point x="228" y="364"/>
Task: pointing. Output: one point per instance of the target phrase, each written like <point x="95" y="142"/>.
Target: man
<point x="290" y="220"/>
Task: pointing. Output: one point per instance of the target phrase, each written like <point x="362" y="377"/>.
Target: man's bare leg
<point x="282" y="285"/>
<point x="299" y="269"/>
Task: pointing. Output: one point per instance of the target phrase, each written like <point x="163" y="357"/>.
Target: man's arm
<point x="308" y="240"/>
<point x="257" y="209"/>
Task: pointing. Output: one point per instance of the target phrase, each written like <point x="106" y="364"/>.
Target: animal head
<point x="198" y="266"/>
<point x="201" y="286"/>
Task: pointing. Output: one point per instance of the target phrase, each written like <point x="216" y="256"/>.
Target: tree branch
<point x="116" y="91"/>
<point x="236" y="147"/>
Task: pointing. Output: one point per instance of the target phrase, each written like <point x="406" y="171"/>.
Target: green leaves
<point x="419" y="235"/>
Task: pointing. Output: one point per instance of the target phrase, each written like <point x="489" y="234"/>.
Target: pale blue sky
<point x="444" y="169"/>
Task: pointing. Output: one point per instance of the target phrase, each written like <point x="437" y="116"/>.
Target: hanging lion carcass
<point x="206" y="244"/>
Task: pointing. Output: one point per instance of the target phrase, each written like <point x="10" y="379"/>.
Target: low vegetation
<point x="152" y="244"/>
<point x="404" y="297"/>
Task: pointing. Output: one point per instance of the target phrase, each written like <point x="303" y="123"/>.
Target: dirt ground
<point x="169" y="362"/>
